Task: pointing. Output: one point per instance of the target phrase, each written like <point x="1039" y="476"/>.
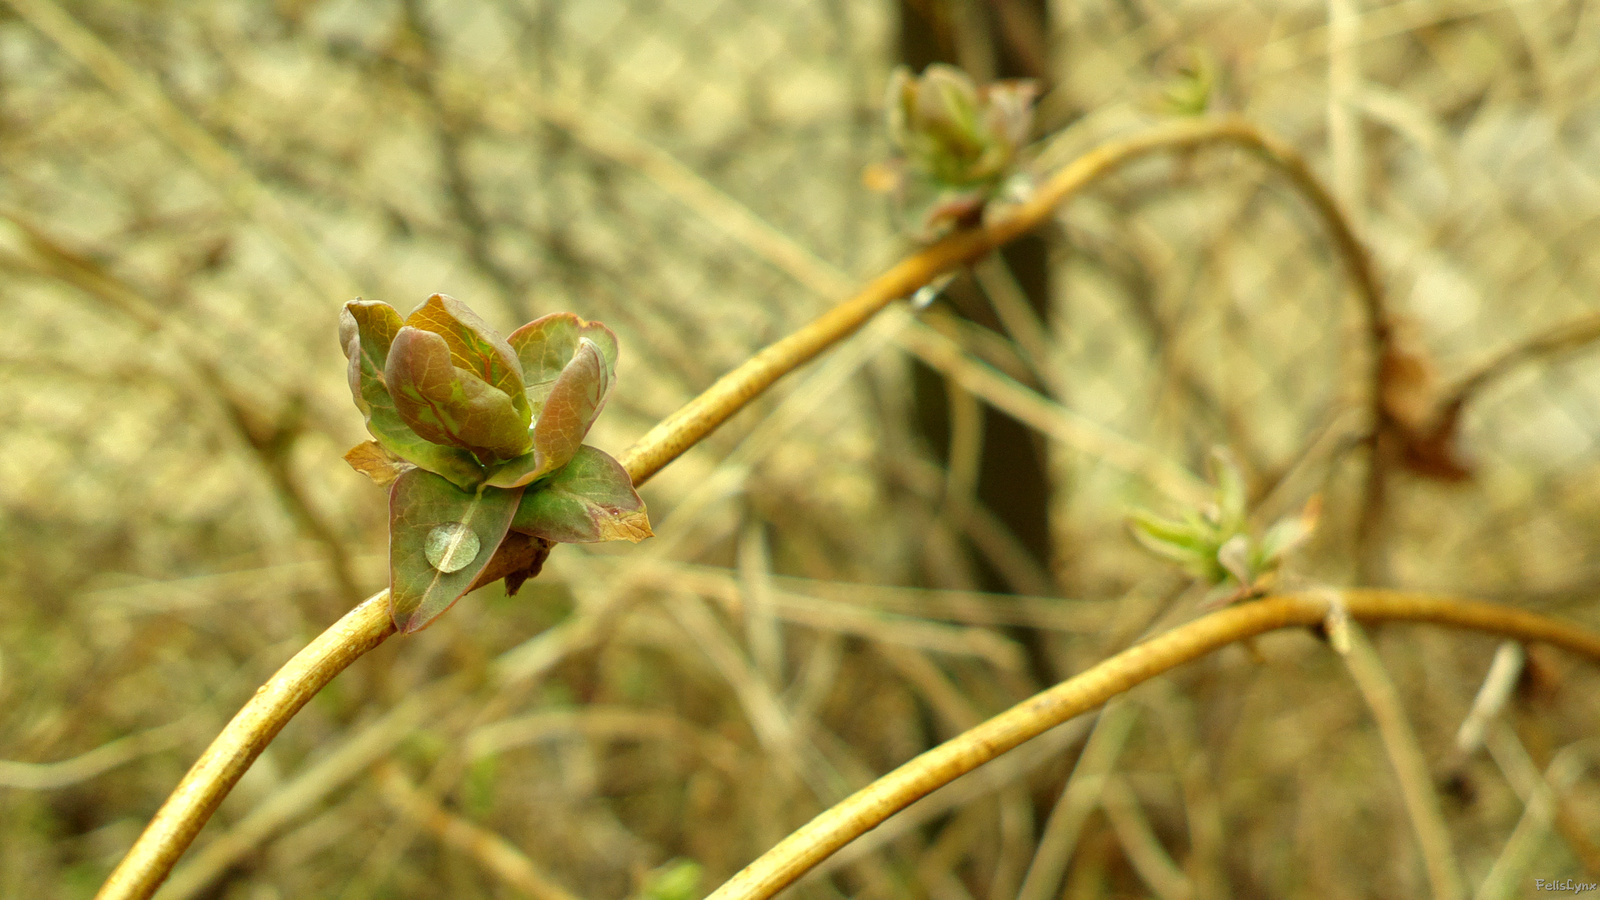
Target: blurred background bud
<point x="959" y="145"/>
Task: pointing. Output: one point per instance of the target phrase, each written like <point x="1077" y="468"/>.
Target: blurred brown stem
<point x="492" y="851"/>
<point x="1410" y="766"/>
<point x="1568" y="337"/>
<point x="148" y="100"/>
<point x="870" y="806"/>
<point x="270" y="442"/>
<point x="368" y="625"/>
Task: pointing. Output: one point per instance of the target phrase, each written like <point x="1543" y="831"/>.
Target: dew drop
<point x="450" y="547"/>
<point x="925" y="295"/>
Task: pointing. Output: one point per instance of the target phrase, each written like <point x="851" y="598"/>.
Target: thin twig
<point x="762" y="631"/>
<point x="784" y="739"/>
<point x="1139" y="842"/>
<point x="451" y="132"/>
<point x="342" y="764"/>
<point x="1538" y="792"/>
<point x="268" y="442"/>
<point x="492" y="851"/>
<point x="912" y="631"/>
<point x="1568" y="337"/>
<point x="977" y="787"/>
<point x="1504" y="671"/>
<point x="1050" y="418"/>
<point x="146" y="98"/>
<point x="601" y="723"/>
<point x="1349" y="177"/>
<point x="738" y="222"/>
<point x="852" y="600"/>
<point x="1410" y="767"/>
<point x="1078" y="799"/>
<point x="48" y="776"/>
<point x="870" y="806"/>
<point x="1010" y="304"/>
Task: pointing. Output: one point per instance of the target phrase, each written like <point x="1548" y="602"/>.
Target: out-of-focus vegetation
<point x="188" y="195"/>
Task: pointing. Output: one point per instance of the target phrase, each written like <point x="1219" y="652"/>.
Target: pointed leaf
<point x="574" y="402"/>
<point x="372" y="460"/>
<point x="518" y="472"/>
<point x="1234" y="558"/>
<point x="1008" y="113"/>
<point x="1178" y="542"/>
<point x="474" y="346"/>
<point x="1289" y="533"/>
<point x="1231" y="495"/>
<point x="900" y="100"/>
<point x="947" y="105"/>
<point x="449" y="405"/>
<point x="570" y="409"/>
<point x="1174" y="540"/>
<point x="367" y="328"/>
<point x="591" y="499"/>
<point x="440" y="539"/>
<point x="547" y="345"/>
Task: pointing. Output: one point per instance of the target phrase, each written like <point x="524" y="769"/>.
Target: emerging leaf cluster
<point x="478" y="437"/>
<point x="1214" y="542"/>
<point x="959" y="145"/>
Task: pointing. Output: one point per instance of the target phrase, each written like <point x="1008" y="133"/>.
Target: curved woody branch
<point x="188" y="808"/>
<point x="870" y="806"/>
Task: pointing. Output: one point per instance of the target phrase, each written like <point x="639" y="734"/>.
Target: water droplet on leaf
<point x="451" y="547"/>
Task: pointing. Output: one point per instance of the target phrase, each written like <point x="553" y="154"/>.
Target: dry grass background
<point x="189" y="191"/>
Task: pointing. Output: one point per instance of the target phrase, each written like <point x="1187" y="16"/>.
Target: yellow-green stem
<point x="242" y="740"/>
<point x="870" y="806"/>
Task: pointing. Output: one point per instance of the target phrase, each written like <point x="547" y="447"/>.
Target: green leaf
<point x="440" y="539"/>
<point x="450" y="405"/>
<point x="1182" y="536"/>
<point x="474" y="347"/>
<point x="1183" y="543"/>
<point x="574" y="401"/>
<point x="678" y="879"/>
<point x="1008" y="113"/>
<point x="547" y="345"/>
<point x="1231" y="495"/>
<point x="946" y="106"/>
<point x="517" y="472"/>
<point x="367" y="329"/>
<point x="591" y="499"/>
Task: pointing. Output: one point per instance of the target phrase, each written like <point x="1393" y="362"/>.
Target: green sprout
<point x="959" y="146"/>
<point x="479" y="437"/>
<point x="677" y="879"/>
<point x="1192" y="89"/>
<point x="1214" y="543"/>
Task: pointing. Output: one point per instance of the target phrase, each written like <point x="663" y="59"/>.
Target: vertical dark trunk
<point x="1011" y="479"/>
